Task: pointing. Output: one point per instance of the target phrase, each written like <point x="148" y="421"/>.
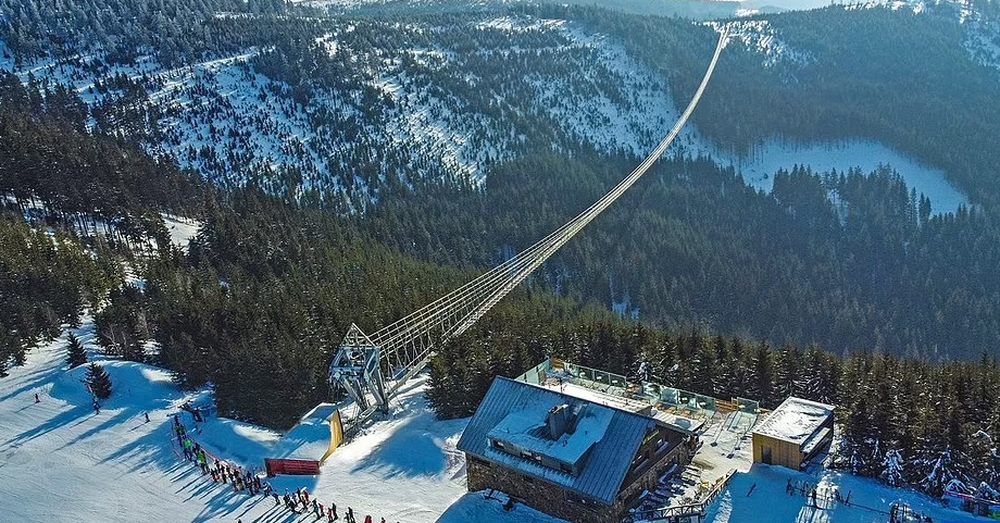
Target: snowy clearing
<point x="758" y="169"/>
<point x="182" y="230"/>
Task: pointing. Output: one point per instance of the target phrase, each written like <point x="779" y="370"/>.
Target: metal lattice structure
<point x="373" y="367"/>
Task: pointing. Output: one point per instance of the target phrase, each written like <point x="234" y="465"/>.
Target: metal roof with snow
<point x="796" y="420"/>
<point x="610" y="454"/>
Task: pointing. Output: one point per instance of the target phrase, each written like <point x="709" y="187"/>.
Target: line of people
<point x="251" y="483"/>
<point x="311" y="504"/>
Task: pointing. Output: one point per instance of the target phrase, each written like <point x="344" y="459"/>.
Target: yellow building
<point x="793" y="434"/>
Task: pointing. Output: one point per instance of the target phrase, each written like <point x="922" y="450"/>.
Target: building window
<point x="497" y="445"/>
<point x="565" y="468"/>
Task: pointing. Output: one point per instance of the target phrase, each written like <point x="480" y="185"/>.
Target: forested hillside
<point x="460" y="137"/>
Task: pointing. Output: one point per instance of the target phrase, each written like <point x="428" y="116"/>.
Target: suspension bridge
<point x="372" y="368"/>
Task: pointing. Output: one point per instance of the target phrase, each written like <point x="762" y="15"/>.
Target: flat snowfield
<point x="61" y="462"/>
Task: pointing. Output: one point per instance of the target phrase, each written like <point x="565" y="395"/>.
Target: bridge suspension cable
<point x="372" y="368"/>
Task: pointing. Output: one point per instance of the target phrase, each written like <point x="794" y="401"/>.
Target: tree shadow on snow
<point x="416" y="448"/>
<point x="59" y="421"/>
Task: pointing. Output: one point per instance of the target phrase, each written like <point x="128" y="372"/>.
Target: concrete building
<point x="569" y="457"/>
<point x="793" y="434"/>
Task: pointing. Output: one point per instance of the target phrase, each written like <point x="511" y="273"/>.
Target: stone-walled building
<point x="569" y="457"/>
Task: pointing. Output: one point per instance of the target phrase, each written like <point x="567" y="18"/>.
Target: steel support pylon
<point x="357" y="367"/>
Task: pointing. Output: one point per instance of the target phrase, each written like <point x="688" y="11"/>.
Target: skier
<point x="368" y="518"/>
<point x="315" y="508"/>
<point x="275" y="496"/>
<point x="37" y="400"/>
<point x="333" y="512"/>
<point x="147" y="416"/>
<point x="350" y="515"/>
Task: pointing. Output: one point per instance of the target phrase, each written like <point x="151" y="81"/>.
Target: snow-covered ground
<point x="761" y="38"/>
<point x="182" y="230"/>
<point x="61" y="462"/>
<point x="760" y="496"/>
<point x="758" y="170"/>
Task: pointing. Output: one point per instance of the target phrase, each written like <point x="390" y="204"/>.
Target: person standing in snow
<point x="147" y="416"/>
<point x="37" y="400"/>
<point x="350" y="515"/>
<point x="368" y="518"/>
<point x="315" y="508"/>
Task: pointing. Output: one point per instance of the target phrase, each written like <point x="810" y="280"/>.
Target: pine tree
<point x="76" y="354"/>
<point x="892" y="468"/>
<point x="99" y="381"/>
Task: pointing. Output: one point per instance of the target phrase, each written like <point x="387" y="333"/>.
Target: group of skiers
<point x="246" y="480"/>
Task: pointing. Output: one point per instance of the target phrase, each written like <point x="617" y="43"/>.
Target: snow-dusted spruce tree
<point x="985" y="459"/>
<point x="987" y="492"/>
<point x="99" y="381"/>
<point x="76" y="354"/>
<point x="892" y="468"/>
<point x="944" y="472"/>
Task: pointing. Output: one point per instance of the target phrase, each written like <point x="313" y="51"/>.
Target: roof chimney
<point x="558" y="421"/>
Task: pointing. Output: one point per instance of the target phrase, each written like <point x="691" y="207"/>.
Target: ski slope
<point x="59" y="461"/>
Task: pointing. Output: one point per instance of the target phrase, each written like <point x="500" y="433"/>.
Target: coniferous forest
<point x="841" y="287"/>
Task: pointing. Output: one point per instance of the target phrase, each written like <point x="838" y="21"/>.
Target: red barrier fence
<point x="300" y="467"/>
